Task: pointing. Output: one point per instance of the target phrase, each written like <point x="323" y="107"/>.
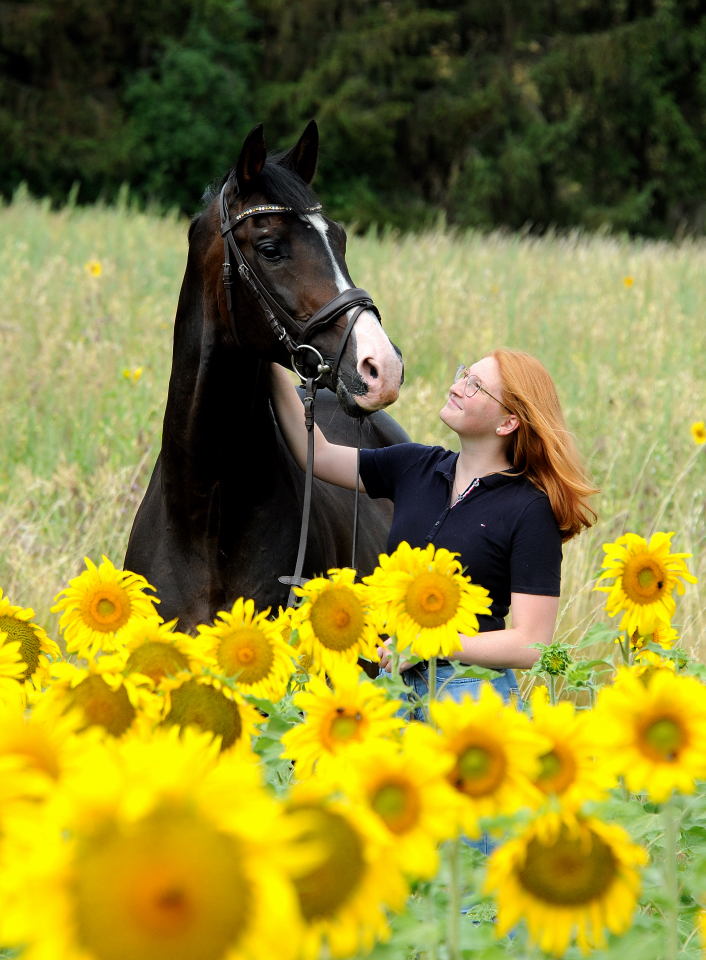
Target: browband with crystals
<point x="264" y="208"/>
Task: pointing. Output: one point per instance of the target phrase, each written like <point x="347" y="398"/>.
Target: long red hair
<point x="542" y="448"/>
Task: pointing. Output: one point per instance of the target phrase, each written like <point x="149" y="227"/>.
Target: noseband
<point x="290" y="332"/>
<point x="295" y="337"/>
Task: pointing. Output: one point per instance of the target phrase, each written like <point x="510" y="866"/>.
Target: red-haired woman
<point x="505" y="503"/>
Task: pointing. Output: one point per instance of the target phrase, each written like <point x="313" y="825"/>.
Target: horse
<point x="221" y="515"/>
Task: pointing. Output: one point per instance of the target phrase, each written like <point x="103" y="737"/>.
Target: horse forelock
<point x="276" y="184"/>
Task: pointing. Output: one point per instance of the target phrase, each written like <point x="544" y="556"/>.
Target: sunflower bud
<point x="556" y="660"/>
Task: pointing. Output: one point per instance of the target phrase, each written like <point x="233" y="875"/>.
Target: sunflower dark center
<point x="29" y="641"/>
<point x="327" y="888"/>
<point x="203" y="706"/>
<point x="170" y="887"/>
<point x="103" y="707"/>
<point x="338" y="618"/>
<point x="157" y="660"/>
<point x="432" y="599"/>
<point x="571" y="872"/>
<point x="397" y="803"/>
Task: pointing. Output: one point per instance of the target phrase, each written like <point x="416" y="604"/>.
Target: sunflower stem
<point x="454" y="899"/>
<point x="625" y="650"/>
<point x="432" y="679"/>
<point x="552" y="689"/>
<point x="671" y="883"/>
<point x="395" y="662"/>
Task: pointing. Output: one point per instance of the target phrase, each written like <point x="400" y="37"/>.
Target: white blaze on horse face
<point x="319" y="224"/>
<point x="377" y="361"/>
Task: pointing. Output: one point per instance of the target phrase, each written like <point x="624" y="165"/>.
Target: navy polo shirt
<point x="504" y="529"/>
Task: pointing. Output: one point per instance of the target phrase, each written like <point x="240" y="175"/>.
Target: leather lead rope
<point x="357" y="496"/>
<point x="296" y="580"/>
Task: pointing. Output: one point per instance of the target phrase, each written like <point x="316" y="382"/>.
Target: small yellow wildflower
<point x="93" y="268"/>
<point x="628" y="282"/>
<point x="133" y="375"/>
<point x="698" y="432"/>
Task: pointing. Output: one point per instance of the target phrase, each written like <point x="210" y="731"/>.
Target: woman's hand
<point x="386" y="658"/>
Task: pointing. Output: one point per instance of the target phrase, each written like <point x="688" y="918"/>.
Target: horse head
<point x="297" y="256"/>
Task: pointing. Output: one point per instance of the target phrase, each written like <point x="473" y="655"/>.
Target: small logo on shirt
<point x="482" y="524"/>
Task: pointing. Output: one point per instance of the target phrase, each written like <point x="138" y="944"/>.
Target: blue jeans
<point x="456" y="689"/>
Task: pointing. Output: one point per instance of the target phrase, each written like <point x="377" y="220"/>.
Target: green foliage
<point x="189" y="114"/>
<point x="508" y="114"/>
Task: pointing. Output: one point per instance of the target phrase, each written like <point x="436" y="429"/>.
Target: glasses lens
<point x="473" y="385"/>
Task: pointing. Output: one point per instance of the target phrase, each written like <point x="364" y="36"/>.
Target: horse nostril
<point x="373" y="371"/>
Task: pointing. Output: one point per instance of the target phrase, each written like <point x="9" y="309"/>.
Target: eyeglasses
<point x="474" y="384"/>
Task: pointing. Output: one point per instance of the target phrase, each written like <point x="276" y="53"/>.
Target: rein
<point x="295" y="337"/>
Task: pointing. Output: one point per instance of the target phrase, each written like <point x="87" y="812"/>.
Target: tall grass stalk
<point x="79" y="439"/>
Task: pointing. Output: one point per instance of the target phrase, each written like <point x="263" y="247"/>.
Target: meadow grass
<point x="79" y="439"/>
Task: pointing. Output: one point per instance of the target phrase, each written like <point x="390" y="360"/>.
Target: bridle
<point x="295" y="337"/>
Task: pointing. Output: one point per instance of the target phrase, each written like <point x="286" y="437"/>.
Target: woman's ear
<point x="508" y="426"/>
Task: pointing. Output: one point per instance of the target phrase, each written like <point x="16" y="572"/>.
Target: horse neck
<point x="217" y="424"/>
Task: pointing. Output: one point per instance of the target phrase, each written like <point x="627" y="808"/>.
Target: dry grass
<point x="78" y="439"/>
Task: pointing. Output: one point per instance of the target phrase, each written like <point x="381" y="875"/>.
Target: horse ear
<point x="252" y="158"/>
<point x="304" y="155"/>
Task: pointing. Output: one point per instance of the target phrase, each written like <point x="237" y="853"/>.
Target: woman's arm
<point x="332" y="462"/>
<point x="533" y="621"/>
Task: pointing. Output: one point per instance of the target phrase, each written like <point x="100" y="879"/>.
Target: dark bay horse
<point x="220" y="518"/>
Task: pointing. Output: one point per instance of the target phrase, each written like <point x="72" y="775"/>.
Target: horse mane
<point x="277" y="182"/>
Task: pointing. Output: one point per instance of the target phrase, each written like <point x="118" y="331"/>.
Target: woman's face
<point x="479" y="415"/>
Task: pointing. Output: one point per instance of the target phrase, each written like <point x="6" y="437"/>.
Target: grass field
<point x="620" y="325"/>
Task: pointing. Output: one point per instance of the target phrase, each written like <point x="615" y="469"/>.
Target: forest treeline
<point x="492" y="112"/>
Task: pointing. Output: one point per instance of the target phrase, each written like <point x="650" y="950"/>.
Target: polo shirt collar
<point x="447" y="465"/>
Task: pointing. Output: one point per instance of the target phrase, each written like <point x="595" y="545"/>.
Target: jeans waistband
<point x="442" y="662"/>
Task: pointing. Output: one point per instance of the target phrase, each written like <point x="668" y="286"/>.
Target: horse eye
<point x="268" y="251"/>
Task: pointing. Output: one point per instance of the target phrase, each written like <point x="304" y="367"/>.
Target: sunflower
<point x="210" y="705"/>
<point x="333" y="621"/>
<point x="645" y="576"/>
<point x="663" y="634"/>
<point x="98" y="604"/>
<point x="337" y="718"/>
<point x="569" y="770"/>
<point x="158" y="653"/>
<point x="103" y="695"/>
<point x="35" y="748"/>
<point x="35" y="646"/>
<point x="698" y="432"/>
<point x="406" y="787"/>
<point x="305" y="663"/>
<point x="156" y="850"/>
<point x="654" y="733"/>
<point x="495" y="752"/>
<point x="648" y="663"/>
<point x="250" y="648"/>
<point x="566" y="874"/>
<point x="342" y="898"/>
<point x="13" y="669"/>
<point x="425" y="600"/>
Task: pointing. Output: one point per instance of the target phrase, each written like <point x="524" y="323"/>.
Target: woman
<point x="505" y="503"/>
